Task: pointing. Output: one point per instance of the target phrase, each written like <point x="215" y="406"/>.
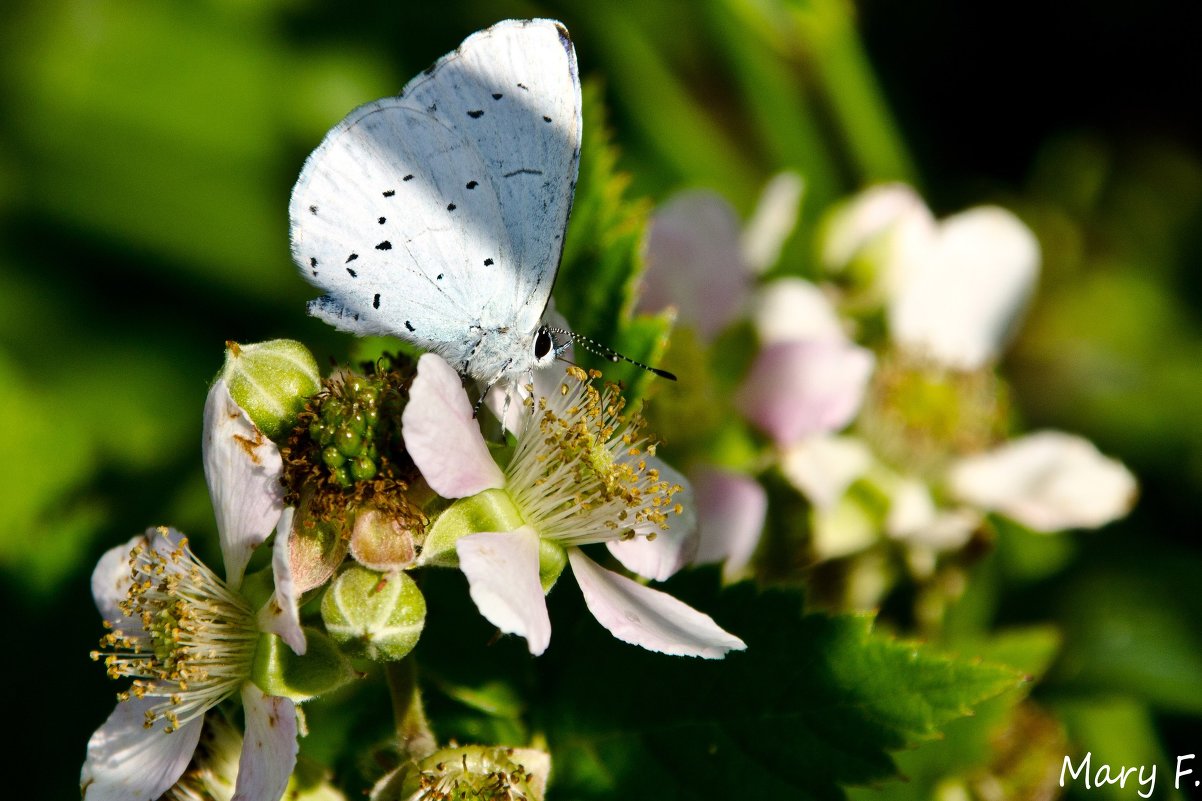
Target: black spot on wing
<point x="408" y="178"/>
<point x="477" y="114"/>
<point x="409" y="326"/>
<point x="472" y="184"/>
<point x="497" y="95"/>
<point x="381" y="221"/>
<point x="353" y="275"/>
<point x="546" y="118"/>
<point x="390" y="193"/>
<point x="375" y="302"/>
<point x="313" y="209"/>
<point x="488" y="262"/>
<point x="351" y="257"/>
<point x="523" y="171"/>
<point x="523" y="87"/>
<point x="450" y="207"/>
<point x="385" y="245"/>
<point x="312" y="261"/>
<point x="439" y="277"/>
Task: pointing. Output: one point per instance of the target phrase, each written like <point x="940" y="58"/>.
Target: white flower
<point x="579" y="475"/>
<point x="187" y="638"/>
<point x="731" y="510"/>
<point x="1048" y="481"/>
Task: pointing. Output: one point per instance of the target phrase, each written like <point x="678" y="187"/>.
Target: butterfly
<point x="438" y="216"/>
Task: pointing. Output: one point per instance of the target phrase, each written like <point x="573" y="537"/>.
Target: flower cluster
<point x="366" y="478"/>
<point x="875" y="388"/>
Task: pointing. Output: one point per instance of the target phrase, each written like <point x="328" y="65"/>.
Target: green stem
<point x="413" y="729"/>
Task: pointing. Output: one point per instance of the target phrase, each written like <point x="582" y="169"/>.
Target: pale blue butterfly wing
<point x="438" y="216"/>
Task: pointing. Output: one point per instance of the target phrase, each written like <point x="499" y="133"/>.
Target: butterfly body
<point x="438" y="216"/>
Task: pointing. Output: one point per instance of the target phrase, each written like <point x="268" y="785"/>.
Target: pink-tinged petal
<point x="242" y="467"/>
<point x="1048" y="481"/>
<point x="693" y="262"/>
<point x="774" y="219"/>
<point x="281" y="614"/>
<point x="502" y="576"/>
<point x="798" y="389"/>
<point x="961" y="304"/>
<point x="823" y="467"/>
<point x="648" y="618"/>
<point x="442" y="435"/>
<point x="128" y="762"/>
<point x="665" y="552"/>
<point x="732" y="509"/>
<point x="794" y="310"/>
<point x="268" y="748"/>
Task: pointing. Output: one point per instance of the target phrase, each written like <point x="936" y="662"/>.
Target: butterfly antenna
<point x="597" y="349"/>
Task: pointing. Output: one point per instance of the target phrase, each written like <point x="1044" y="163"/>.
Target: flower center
<point x="580" y="473"/>
<point x="191" y="640"/>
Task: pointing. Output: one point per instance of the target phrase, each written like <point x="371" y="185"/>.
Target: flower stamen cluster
<point x="197" y="637"/>
<point x="579" y="473"/>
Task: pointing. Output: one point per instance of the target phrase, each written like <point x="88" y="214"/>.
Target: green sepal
<point x="279" y="671"/>
<point x="271" y="381"/>
<point x="552" y="559"/>
<point x="379" y="616"/>
<point x="490" y="510"/>
<point x="258" y="587"/>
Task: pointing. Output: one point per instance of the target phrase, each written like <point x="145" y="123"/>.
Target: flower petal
<point x="648" y="618"/>
<point x="823" y="467"/>
<point x="507" y="399"/>
<point x="732" y="509"/>
<point x="281" y="614"/>
<point x="269" y="747"/>
<point x="112" y="576"/>
<point x="502" y="574"/>
<point x="794" y="310"/>
<point x="1048" y="481"/>
<point x="128" y="762"/>
<point x="914" y="518"/>
<point x="960" y="305"/>
<point x="694" y="262"/>
<point x="797" y="389"/>
<point x="442" y="435"/>
<point x="242" y="468"/>
<point x="774" y="219"/>
<point x="862" y="222"/>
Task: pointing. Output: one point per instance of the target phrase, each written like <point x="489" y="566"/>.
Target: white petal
<point x="127" y="762"/>
<point x="442" y="435"/>
<point x="507" y="401"/>
<point x="242" y="467"/>
<point x="1048" y="481"/>
<point x="914" y="518"/>
<point x="502" y="575"/>
<point x="798" y="389"/>
<point x="269" y="747"/>
<point x="648" y="618"/>
<point x="694" y="263"/>
<point x="731" y="509"/>
<point x="659" y="558"/>
<point x="281" y="614"/>
<point x="774" y="218"/>
<point x="960" y="306"/>
<point x="870" y="216"/>
<point x="823" y="467"/>
<point x="794" y="310"/>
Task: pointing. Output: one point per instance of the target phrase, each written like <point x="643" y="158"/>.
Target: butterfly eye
<point x="543" y="344"/>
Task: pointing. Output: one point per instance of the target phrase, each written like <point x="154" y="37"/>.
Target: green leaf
<point x="815" y="702"/>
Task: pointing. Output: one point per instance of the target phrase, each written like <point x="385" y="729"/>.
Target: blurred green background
<point x="147" y="151"/>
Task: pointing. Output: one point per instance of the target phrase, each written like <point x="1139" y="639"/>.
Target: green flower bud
<point x="278" y="670"/>
<point x="316" y="548"/>
<point x="376" y="615"/>
<point x="271" y="380"/>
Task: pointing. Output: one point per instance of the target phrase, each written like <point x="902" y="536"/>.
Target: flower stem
<point x="414" y="735"/>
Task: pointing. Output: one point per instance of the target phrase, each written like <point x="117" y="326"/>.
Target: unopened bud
<point x="376" y="615"/>
<point x="279" y="671"/>
<point x="271" y="381"/>
<point x="382" y="542"/>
